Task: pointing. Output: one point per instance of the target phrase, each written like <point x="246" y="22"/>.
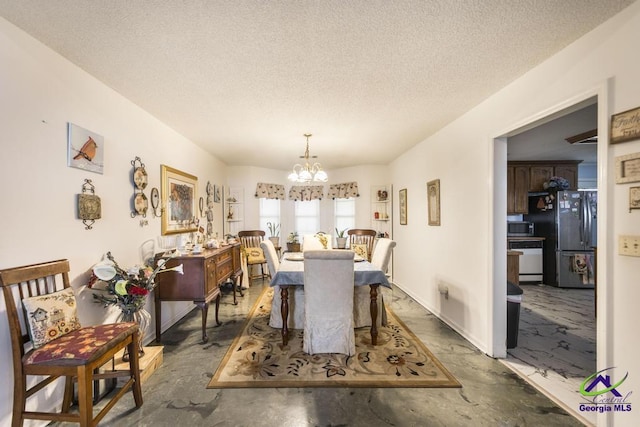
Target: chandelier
<point x="308" y="172"/>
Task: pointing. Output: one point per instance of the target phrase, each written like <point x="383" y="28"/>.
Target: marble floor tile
<point x="556" y="347"/>
<point x="176" y="394"/>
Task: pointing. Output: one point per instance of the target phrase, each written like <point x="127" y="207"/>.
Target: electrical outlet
<point x="629" y="245"/>
<point x="444" y="290"/>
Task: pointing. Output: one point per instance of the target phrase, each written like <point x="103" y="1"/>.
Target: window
<point x="307" y="217"/>
<point x="269" y="212"/>
<point x="345" y="213"/>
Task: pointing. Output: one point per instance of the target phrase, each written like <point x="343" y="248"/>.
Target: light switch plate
<point x="629" y="245"/>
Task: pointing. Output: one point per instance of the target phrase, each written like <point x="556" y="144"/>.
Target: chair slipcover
<point x="311" y="242"/>
<point x="328" y="299"/>
<point x="361" y="297"/>
<point x="296" y="293"/>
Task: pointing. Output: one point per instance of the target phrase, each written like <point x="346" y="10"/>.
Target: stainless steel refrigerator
<point x="567" y="220"/>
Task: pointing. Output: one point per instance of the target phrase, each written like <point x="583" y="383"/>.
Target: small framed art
<point x="403" y="206"/>
<point x="433" y="201"/>
<point x="85" y="149"/>
<point x="178" y="200"/>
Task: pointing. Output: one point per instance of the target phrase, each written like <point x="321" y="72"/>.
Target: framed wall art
<point x="628" y="168"/>
<point x="403" y="206"/>
<point x="433" y="201"/>
<point x="634" y="198"/>
<point x="625" y="126"/>
<point x="85" y="149"/>
<point x="179" y="201"/>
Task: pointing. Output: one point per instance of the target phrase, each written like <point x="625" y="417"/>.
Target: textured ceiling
<point x="246" y="79"/>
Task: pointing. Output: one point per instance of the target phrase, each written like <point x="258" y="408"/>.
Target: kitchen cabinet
<point x="529" y="176"/>
<point x="200" y="283"/>
<point x="517" y="189"/>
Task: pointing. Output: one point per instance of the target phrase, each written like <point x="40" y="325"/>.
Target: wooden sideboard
<point x="200" y="283"/>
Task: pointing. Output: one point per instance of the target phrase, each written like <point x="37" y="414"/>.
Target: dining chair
<point x="48" y="342"/>
<point x="296" y="293"/>
<point x="361" y="240"/>
<point x="250" y="240"/>
<point x="328" y="302"/>
<point x="311" y="242"/>
<point x="361" y="297"/>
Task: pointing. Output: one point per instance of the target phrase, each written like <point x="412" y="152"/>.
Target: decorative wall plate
<point x="89" y="205"/>
<point x="141" y="204"/>
<point x="140" y="178"/>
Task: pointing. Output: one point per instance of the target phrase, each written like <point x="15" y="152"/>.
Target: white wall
<point x="247" y="177"/>
<point x="41" y="92"/>
<point x="460" y="253"/>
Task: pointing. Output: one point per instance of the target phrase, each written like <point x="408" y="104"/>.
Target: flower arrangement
<point x="557" y="183"/>
<point x="126" y="289"/>
<point x="293" y="237"/>
<point x="322" y="238"/>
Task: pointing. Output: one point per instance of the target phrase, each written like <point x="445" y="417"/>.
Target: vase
<point x="143" y="318"/>
<point x="341" y="242"/>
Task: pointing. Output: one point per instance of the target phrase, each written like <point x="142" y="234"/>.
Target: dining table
<point x="291" y="273"/>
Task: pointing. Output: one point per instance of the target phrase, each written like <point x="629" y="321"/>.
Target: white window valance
<point x="344" y="190"/>
<point x="306" y="192"/>
<point x="270" y="191"/>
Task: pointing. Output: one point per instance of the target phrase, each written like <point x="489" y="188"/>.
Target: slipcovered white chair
<point x="311" y="242"/>
<point x="328" y="300"/>
<point x="361" y="296"/>
<point x="296" y="293"/>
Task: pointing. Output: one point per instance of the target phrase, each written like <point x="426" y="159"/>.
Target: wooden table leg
<point x="284" y="310"/>
<point x="373" y="308"/>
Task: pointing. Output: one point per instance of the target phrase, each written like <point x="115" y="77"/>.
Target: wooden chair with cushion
<point x="250" y="240"/>
<point x="361" y="240"/>
<point x="47" y="340"/>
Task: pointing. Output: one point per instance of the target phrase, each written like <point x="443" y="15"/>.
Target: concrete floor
<point x="176" y="394"/>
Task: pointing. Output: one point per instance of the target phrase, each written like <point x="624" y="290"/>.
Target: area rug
<point x="257" y="358"/>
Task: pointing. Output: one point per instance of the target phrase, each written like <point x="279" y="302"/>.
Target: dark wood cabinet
<point x="200" y="283"/>
<point x="526" y="176"/>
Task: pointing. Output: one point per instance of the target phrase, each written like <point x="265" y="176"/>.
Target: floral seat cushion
<point x="80" y="346"/>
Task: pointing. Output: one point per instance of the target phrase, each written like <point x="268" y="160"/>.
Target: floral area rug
<point x="257" y="358"/>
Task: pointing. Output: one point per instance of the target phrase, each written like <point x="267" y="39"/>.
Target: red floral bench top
<point x="80" y="346"/>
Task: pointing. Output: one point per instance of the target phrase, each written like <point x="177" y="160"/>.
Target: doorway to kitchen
<point x="557" y="343"/>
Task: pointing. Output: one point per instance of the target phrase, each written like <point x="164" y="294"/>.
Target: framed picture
<point x="85" y="149"/>
<point x="634" y="198"/>
<point x="625" y="126"/>
<point x="403" y="206"/>
<point x="216" y="193"/>
<point x="433" y="201"/>
<point x="179" y="201"/>
<point x="628" y="168"/>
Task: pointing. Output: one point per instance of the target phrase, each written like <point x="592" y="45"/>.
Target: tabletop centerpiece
<point x="127" y="290"/>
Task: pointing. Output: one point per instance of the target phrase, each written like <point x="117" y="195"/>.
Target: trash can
<point x="514" y="300"/>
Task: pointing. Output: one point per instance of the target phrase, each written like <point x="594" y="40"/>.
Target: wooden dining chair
<point x="250" y="240"/>
<point x="328" y="302"/>
<point x="47" y="340"/>
<point x="361" y="240"/>
<point x="296" y="294"/>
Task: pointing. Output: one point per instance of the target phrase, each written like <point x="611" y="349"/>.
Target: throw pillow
<point x="360" y="249"/>
<point x="255" y="256"/>
<point x="51" y="316"/>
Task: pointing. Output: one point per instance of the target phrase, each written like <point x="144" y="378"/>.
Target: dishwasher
<point x="530" y="261"/>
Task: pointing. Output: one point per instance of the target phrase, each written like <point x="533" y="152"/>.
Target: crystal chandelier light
<point x="308" y="172"/>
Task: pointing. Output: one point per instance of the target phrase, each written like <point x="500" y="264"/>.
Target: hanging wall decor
<point x="155" y="201"/>
<point x="140" y="179"/>
<point x="209" y="212"/>
<point x="85" y="149"/>
<point x="89" y="205"/>
<point x="433" y="201"/>
<point x="179" y="196"/>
